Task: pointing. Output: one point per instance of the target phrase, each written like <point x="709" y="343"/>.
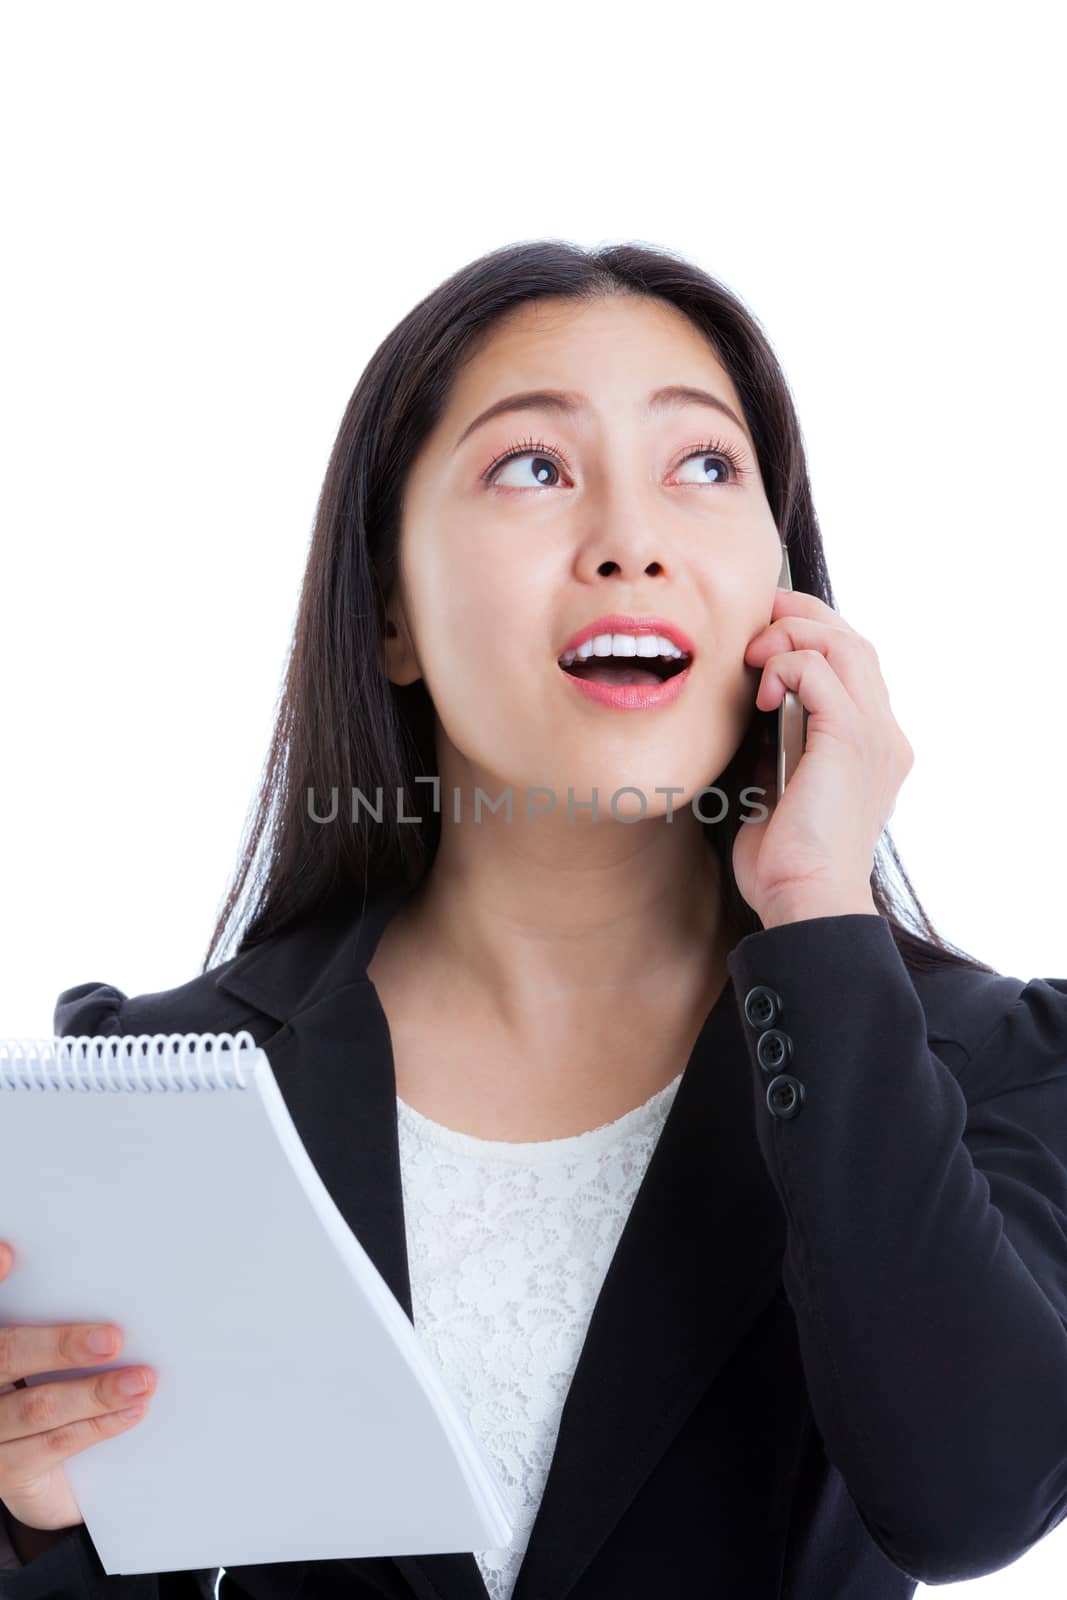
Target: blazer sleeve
<point x="926" y="1237"/>
<point x="71" y="1568"/>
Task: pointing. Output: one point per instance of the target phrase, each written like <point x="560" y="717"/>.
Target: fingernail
<point x="101" y="1341"/>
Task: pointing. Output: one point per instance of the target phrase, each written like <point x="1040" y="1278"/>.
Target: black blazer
<point x="829" y="1358"/>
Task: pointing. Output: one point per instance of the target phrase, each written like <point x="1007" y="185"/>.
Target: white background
<point x="214" y="213"/>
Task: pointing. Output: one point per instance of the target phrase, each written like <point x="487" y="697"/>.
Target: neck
<point x="601" y="921"/>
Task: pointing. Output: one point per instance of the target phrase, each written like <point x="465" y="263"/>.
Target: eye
<point x="720" y="457"/>
<point x="545" y="463"/>
<point x="715" y="455"/>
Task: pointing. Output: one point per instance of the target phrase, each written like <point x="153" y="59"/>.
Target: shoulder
<point x="255" y="989"/>
<point x="995" y="1031"/>
<point x="196" y="1006"/>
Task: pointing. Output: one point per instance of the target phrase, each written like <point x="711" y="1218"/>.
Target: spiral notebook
<point x="158" y="1182"/>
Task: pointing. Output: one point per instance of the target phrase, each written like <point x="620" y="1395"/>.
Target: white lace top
<point x="508" y="1245"/>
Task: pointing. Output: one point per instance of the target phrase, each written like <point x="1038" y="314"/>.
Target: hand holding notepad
<point x="158" y="1184"/>
<point x="79" y="1413"/>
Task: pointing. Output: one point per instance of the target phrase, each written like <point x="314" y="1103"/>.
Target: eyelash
<point x="710" y="447"/>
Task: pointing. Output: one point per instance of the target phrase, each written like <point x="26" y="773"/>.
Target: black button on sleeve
<point x="763" y="1006"/>
<point x="774" y="1050"/>
<point x="785" y="1096"/>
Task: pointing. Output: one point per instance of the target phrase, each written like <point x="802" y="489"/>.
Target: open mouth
<point x="628" y="667"/>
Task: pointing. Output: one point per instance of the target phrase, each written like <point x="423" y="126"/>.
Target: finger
<point x="809" y="674"/>
<point x="46" y="1407"/>
<point x="797" y="603"/>
<point x="850" y="655"/>
<point x="28" y="1350"/>
<point x="34" y="1454"/>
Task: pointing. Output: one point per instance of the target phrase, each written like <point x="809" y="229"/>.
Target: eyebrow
<point x="670" y="397"/>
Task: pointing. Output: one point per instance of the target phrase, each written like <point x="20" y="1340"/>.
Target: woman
<point x="731" y="1199"/>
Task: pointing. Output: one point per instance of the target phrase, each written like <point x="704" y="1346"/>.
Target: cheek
<point x="485" y="611"/>
<point x="736" y="603"/>
<point x="471" y="660"/>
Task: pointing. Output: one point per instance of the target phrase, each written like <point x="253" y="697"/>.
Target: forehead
<point x="616" y="350"/>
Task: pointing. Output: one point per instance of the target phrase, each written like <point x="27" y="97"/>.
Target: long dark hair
<point x="341" y="724"/>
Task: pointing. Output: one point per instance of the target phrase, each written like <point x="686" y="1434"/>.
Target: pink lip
<point x="632" y="696"/>
<point x="617" y="623"/>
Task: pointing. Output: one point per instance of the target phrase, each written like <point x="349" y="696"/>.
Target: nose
<point x="627" y="552"/>
<point x="608" y="568"/>
<point x="624" y="535"/>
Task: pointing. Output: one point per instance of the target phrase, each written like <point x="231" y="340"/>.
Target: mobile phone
<point x="792" y="714"/>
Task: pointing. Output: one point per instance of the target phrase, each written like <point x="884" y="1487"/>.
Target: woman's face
<point x="618" y="509"/>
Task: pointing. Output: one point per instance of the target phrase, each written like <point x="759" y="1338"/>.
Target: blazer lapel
<point x="698" y="1259"/>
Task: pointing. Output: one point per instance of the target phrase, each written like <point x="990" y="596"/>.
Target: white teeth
<point x="623" y="644"/>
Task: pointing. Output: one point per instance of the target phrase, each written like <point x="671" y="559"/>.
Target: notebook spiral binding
<point x="137" y="1063"/>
